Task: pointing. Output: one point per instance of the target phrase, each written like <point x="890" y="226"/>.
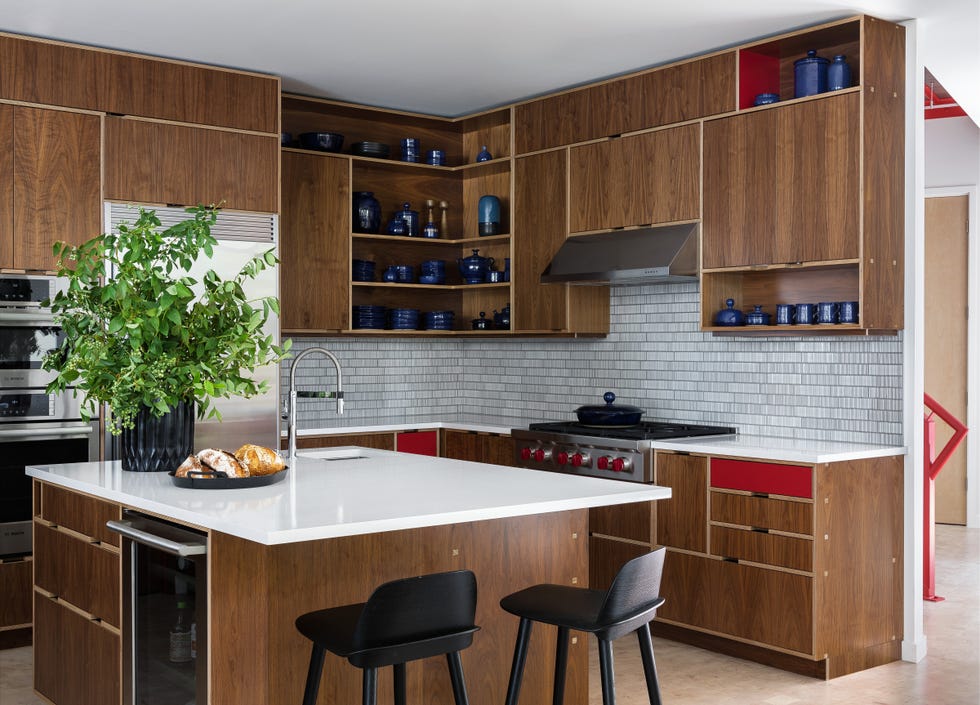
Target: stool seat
<point x="403" y="620"/>
<point x="628" y="606"/>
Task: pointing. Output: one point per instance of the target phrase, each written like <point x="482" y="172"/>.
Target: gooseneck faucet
<point x="339" y="394"/>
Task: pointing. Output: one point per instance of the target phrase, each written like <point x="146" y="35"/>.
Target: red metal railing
<point x="933" y="464"/>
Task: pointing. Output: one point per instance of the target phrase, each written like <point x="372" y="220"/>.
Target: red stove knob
<point x="525" y="453"/>
<point x="540" y="455"/>
<point x="603" y="462"/>
<point x="580" y="459"/>
<point x="562" y="458"/>
<point x="621" y="465"/>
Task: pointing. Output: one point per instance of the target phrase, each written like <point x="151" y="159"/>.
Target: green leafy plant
<point x="137" y="335"/>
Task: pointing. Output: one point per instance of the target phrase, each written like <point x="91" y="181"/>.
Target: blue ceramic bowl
<point x="766" y="98"/>
<point x="323" y="141"/>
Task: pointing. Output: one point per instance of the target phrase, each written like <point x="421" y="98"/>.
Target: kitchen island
<point x="334" y="528"/>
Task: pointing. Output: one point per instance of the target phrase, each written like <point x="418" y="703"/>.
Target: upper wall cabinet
<point x="804" y="197"/>
<point x="155" y="162"/>
<point x="686" y="91"/>
<point x="53" y="73"/>
<point x="49" y="181"/>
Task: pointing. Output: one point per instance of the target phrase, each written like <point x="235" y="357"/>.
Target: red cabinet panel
<point x="767" y="478"/>
<point x="418" y="442"/>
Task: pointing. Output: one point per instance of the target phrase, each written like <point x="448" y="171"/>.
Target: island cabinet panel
<point x="53" y="73"/>
<point x="259" y="657"/>
<point x="15" y="586"/>
<point x="381" y="441"/>
<point x="607" y="556"/>
<point x="79" y="513"/>
<point x="80" y="573"/>
<point x="76" y="660"/>
<point x="631" y="522"/>
<point x="154" y="162"/>
<point x="315" y="246"/>
<point x="53" y="183"/>
<point x="682" y="520"/>
<point x="478" y="447"/>
<point x="637" y="180"/>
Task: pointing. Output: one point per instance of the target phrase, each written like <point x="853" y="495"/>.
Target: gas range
<point x="618" y="453"/>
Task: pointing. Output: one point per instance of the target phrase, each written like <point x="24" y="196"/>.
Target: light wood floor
<point x="948" y="675"/>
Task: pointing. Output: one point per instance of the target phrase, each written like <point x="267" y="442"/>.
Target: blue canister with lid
<point x="838" y="74"/>
<point x="810" y="75"/>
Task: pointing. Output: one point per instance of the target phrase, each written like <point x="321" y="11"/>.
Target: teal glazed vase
<point x="489" y="209"/>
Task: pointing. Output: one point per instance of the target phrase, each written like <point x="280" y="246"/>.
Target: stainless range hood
<point x="654" y="254"/>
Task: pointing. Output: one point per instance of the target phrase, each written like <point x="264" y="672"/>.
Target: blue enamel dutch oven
<point x="609" y="414"/>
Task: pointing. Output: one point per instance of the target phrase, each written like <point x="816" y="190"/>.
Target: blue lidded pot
<point x="757" y="317"/>
<point x="473" y="269"/>
<point x="483" y="155"/>
<point x="810" y="75"/>
<point x="411" y="219"/>
<point x="397" y="226"/>
<point x="730" y="316"/>
<point x="838" y="74"/>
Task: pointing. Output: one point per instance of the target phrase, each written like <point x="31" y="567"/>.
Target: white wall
<point x="952" y="152"/>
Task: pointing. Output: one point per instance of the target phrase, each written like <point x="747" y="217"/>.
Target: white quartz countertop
<point x="785" y="449"/>
<point x="373" y="492"/>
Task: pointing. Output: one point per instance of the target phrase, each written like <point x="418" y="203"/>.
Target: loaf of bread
<point x="222" y="461"/>
<point x="259" y="460"/>
<point x="192" y="464"/>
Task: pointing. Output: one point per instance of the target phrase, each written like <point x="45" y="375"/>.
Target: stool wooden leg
<point x="456" y="676"/>
<point x="520" y="656"/>
<point x="561" y="665"/>
<point x="370" y="687"/>
<point x="606" y="672"/>
<point x="649" y="665"/>
<point x="399" y="678"/>
<point x="313" y="675"/>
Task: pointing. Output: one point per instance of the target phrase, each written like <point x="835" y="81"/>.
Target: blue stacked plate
<point x="439" y="320"/>
<point x="405" y="273"/>
<point x="403" y="318"/>
<point x="369" y="317"/>
<point x="362" y="270"/>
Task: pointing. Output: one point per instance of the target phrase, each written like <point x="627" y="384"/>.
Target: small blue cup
<point x="436" y="157"/>
<point x="785" y="314"/>
<point x="410" y="149"/>
<point x="827" y="312"/>
<point x="806" y="314"/>
<point x="847" y="311"/>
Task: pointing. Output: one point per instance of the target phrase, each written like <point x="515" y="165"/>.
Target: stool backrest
<point x="418" y="608"/>
<point x="636" y="586"/>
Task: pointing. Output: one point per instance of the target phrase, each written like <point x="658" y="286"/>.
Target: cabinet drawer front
<point x="765" y="606"/>
<point x="762" y="512"/>
<point x="15" y="586"/>
<point x="76" y="661"/>
<point x="768" y="478"/>
<point x="760" y="547"/>
<point x="78" y="572"/>
<point x="80" y="513"/>
<point x="418" y="442"/>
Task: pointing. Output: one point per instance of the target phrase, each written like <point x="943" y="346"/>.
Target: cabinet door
<point x="638" y="180"/>
<point x="739" y="221"/>
<point x="7" y="185"/>
<point x="314" y="247"/>
<point x="381" y="441"/>
<point x="418" y="442"/>
<point x="682" y="520"/>
<point x="57" y="183"/>
<point x="15" y="586"/>
<point x="152" y="162"/>
<point x="818" y="181"/>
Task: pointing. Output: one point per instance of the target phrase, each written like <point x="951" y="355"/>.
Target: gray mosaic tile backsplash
<point x="831" y="388"/>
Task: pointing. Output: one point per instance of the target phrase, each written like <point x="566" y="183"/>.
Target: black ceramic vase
<point x="158" y="443"/>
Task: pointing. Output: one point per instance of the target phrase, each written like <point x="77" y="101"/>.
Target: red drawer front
<point x="419" y="442"/>
<point x="767" y="478"/>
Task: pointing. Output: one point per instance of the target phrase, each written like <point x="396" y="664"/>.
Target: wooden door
<point x="6" y="185"/>
<point x="682" y="520"/>
<point x="818" y="181"/>
<point x="314" y="245"/>
<point x="739" y="218"/>
<point x="57" y="183"/>
<point x="946" y="341"/>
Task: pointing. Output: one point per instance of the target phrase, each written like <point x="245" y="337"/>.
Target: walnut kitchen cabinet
<point x="798" y="566"/>
<point x="804" y="198"/>
<point x="477" y="446"/>
<point x="540" y="202"/>
<point x="383" y="440"/>
<point x="50" y="185"/>
<point x="314" y="248"/>
<point x="77" y="600"/>
<point x="15" y="608"/>
<point x="637" y="180"/>
<point x="155" y="162"/>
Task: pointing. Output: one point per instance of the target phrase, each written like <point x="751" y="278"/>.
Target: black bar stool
<point x="629" y="605"/>
<point x="402" y="621"/>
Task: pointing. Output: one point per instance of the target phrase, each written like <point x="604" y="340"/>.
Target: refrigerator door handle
<point x="194" y="547"/>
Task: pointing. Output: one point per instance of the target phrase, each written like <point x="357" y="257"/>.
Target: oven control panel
<point x="580" y="459"/>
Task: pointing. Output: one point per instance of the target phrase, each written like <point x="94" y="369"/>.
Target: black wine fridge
<point x="164" y="612"/>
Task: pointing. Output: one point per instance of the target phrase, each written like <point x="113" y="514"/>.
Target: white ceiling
<point x="448" y="57"/>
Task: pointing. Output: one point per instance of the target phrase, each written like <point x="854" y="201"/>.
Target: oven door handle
<point x="28" y="318"/>
<point x="176" y="548"/>
<point x="38" y="433"/>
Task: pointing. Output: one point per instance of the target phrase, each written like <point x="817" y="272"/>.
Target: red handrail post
<point x="931" y="467"/>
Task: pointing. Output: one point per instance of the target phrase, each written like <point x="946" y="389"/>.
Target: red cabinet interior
<point x="765" y="478"/>
<point x="418" y="442"/>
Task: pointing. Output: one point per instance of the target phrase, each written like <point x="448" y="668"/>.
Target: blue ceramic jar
<point x="809" y="75"/>
<point x="838" y="74"/>
<point x="473" y="269"/>
<point x="730" y="316"/>
<point x="411" y="219"/>
<point x="483" y="155"/>
<point x="489" y="209"/>
<point x="367" y="213"/>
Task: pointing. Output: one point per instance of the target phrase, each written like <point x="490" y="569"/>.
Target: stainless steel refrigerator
<point x="240" y="236"/>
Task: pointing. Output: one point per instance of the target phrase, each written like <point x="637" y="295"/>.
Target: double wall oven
<point x="36" y="428"/>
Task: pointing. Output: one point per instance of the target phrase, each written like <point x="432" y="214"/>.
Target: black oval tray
<point x="228" y="483"/>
